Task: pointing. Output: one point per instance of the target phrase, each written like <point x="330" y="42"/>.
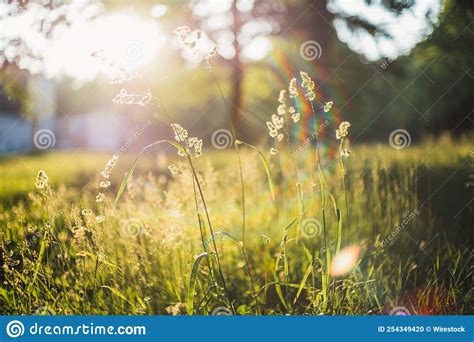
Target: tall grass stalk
<point x="325" y="273"/>
<point x="344" y="175"/>
<point x="202" y="228"/>
<point x="219" y="268"/>
<point x="182" y="148"/>
<point x="242" y="183"/>
<point x="235" y="139"/>
<point x="202" y="231"/>
<point x="298" y="185"/>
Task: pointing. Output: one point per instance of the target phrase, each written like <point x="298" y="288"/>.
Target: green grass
<point x="74" y="168"/>
<point x="409" y="218"/>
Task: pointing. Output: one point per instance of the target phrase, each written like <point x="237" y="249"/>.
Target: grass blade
<point x="292" y="223"/>
<point x="278" y="286"/>
<point x="192" y="283"/>
<point x="339" y="223"/>
<point x="303" y="282"/>
<point x="118" y="294"/>
<point x="40" y="258"/>
<point x="129" y="174"/>
<point x="265" y="165"/>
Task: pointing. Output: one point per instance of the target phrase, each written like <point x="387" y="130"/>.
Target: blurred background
<point x="386" y="65"/>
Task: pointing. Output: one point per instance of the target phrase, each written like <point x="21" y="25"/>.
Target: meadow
<point x="184" y="236"/>
<point x="234" y="202"/>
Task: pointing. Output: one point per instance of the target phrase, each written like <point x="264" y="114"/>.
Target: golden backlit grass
<point x="408" y="242"/>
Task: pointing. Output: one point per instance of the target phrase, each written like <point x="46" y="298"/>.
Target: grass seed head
<point x="328" y="106"/>
<point x="308" y="85"/>
<point x="41" y="180"/>
<point x="343" y="130"/>
<point x="174" y="170"/>
<point x="282" y="96"/>
<point x="104" y="184"/>
<point x="295" y="117"/>
<point x="180" y="134"/>
<point x="100" y="197"/>
<point x="109" y="167"/>
<point x="292" y="88"/>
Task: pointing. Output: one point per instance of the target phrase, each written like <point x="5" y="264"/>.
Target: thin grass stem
<point x="219" y="267"/>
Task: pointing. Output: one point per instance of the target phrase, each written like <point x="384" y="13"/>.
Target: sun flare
<point x="124" y="41"/>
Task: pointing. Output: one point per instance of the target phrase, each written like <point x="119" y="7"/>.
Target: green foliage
<point x="57" y="258"/>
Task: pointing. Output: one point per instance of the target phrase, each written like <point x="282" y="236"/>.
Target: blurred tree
<point x="240" y="26"/>
<point x="26" y="48"/>
<point x="447" y="58"/>
<point x="428" y="91"/>
<point x="13" y="91"/>
<point x="237" y="24"/>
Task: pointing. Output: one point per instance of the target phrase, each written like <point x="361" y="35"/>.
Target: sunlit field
<point x="237" y="157"/>
<point x="168" y="249"/>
